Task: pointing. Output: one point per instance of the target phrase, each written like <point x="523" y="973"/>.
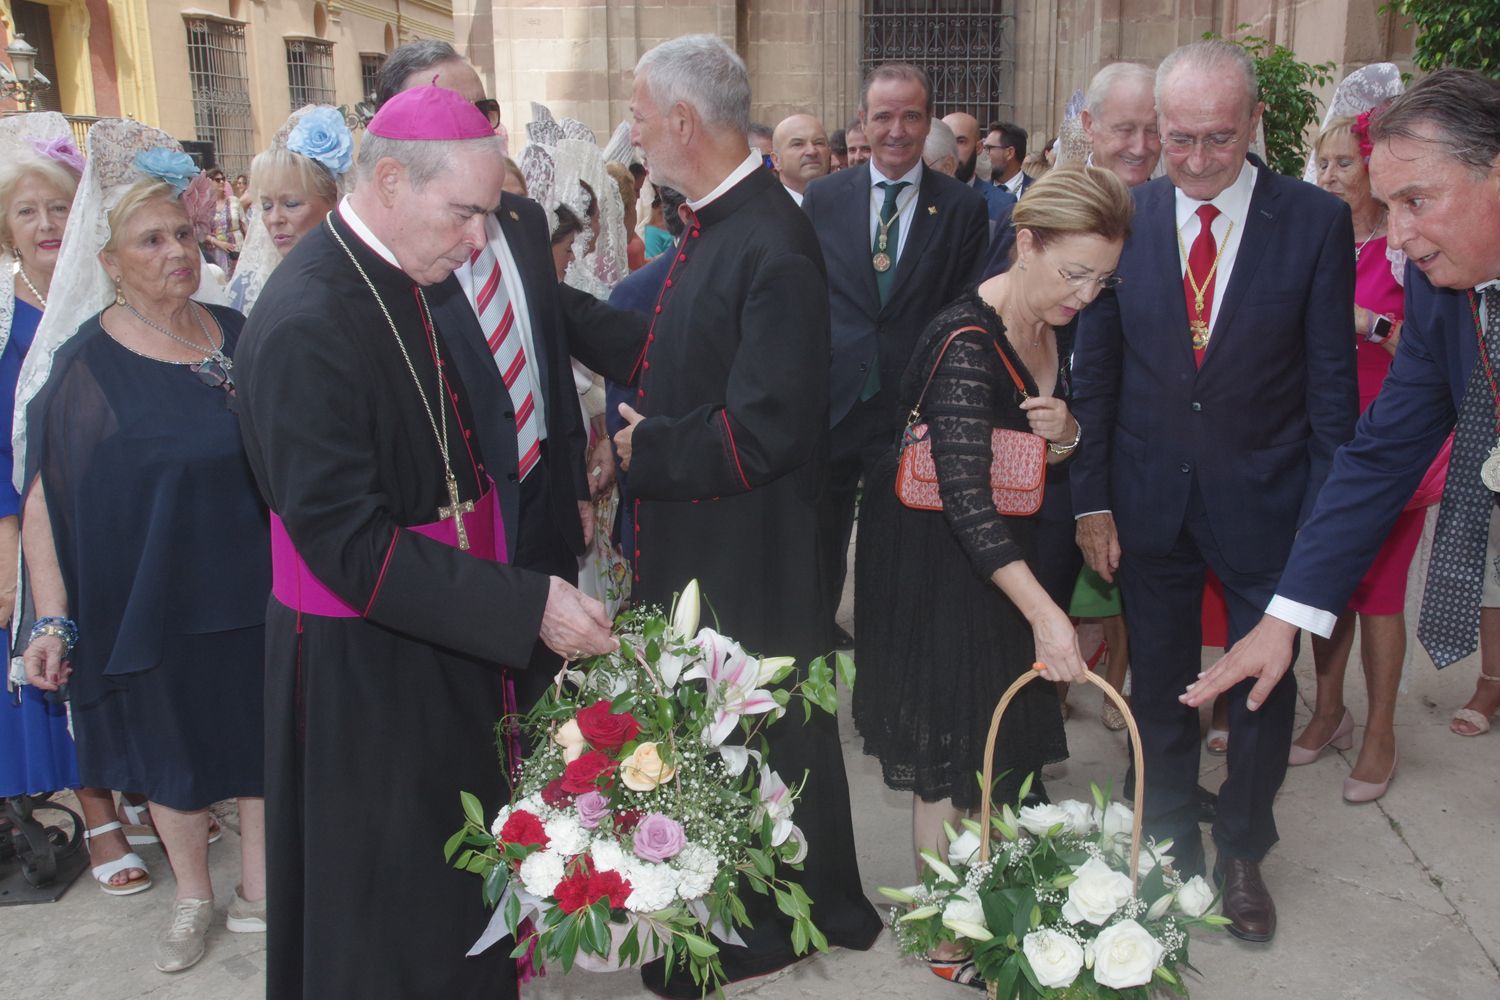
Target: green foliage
<point x="1461" y="34"/>
<point x="1286" y="86"/>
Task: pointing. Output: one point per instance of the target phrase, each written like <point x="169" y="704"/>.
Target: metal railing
<point x="218" y="71"/>
<point x="962" y="45"/>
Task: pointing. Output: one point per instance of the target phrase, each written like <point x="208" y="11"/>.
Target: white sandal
<point x="109" y="869"/>
<point x="139" y="831"/>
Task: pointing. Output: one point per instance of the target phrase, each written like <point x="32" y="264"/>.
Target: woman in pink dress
<point x="1342" y="154"/>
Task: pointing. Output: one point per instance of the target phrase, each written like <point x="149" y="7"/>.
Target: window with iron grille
<point x="220" y="80"/>
<point x="961" y="44"/>
<point x="309" y="71"/>
<point x="369" y="73"/>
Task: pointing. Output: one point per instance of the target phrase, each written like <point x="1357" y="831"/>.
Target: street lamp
<point x="23" y="81"/>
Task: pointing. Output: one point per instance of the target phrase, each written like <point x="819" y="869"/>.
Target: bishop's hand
<point x="623" y="438"/>
<point x="1100" y="544"/>
<point x="575" y="625"/>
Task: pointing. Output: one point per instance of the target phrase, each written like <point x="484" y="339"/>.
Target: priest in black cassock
<point x="393" y="607"/>
<point x="725" y="445"/>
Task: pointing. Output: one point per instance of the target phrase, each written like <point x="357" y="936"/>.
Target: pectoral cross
<point x="456" y="511"/>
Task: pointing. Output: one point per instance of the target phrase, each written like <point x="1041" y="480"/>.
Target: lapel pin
<point x="514" y="217"/>
<point x="932" y="210"/>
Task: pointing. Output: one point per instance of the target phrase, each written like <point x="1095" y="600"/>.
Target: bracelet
<point x="1063" y="449"/>
<point x="64" y="628"/>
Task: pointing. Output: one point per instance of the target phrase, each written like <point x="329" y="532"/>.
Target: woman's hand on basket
<point x="1057" y="646"/>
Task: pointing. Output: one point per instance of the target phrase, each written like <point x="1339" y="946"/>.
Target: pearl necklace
<point x="21" y="270"/>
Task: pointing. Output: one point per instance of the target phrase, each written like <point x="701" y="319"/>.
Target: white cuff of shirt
<point x="1080" y="517"/>
<point x="1302" y="616"/>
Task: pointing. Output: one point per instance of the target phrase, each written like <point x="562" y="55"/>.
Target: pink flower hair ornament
<point x="1361" y="132"/>
<point x="198" y="200"/>
<point x="62" y="149"/>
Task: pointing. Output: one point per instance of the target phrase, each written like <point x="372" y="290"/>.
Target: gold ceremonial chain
<point x="1199" y="326"/>
<point x="455" y="509"/>
<point x="882" y="260"/>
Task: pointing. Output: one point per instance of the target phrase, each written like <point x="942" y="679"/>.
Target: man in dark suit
<point x="1215" y="383"/>
<point x="1005" y="145"/>
<point x="514" y="320"/>
<point x="971" y="158"/>
<point x="1436" y="165"/>
<point x="900" y="242"/>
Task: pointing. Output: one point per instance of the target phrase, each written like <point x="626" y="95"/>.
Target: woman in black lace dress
<point x="950" y="612"/>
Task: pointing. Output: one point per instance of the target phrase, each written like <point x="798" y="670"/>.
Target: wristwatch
<point x="1380" y="329"/>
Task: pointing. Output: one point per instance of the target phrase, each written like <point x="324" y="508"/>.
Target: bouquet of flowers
<point x="648" y="802"/>
<point x="1054" y="913"/>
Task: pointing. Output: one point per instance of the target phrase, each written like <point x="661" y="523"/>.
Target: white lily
<point x="734" y="680"/>
<point x="685" y="615"/>
<point x="775" y="802"/>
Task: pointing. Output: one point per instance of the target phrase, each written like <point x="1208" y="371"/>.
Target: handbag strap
<point x="916" y="409"/>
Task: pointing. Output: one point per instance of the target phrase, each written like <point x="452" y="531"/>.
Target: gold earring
<point x="119" y="293"/>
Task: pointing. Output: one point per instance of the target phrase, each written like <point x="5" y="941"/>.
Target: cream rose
<point x="570" y="738"/>
<point x="1096" y="893"/>
<point x="1195" y="897"/>
<point x="1080" y="816"/>
<point x="1055" y="958"/>
<point x="1125" y="955"/>
<point x="644" y="769"/>
<point x="1040" y="819"/>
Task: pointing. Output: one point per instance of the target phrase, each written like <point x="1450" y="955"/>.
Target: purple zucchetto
<point x="429" y="114"/>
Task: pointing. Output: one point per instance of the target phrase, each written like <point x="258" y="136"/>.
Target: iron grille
<point x="220" y="81"/>
<point x="34" y="21"/>
<point x="961" y="44"/>
<point x="369" y="75"/>
<point x="309" y="71"/>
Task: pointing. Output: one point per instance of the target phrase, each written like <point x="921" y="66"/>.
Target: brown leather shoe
<point x="1247" y="901"/>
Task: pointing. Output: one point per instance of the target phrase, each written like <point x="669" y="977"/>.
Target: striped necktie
<point x="497" y="318"/>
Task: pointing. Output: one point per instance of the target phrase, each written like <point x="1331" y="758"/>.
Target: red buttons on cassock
<point x="669" y="282"/>
<point x="681" y="257"/>
<point x="658" y="308"/>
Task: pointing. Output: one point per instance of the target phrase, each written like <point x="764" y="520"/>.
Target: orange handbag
<point x="1018" y="473"/>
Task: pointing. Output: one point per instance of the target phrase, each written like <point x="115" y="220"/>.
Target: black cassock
<point x="733" y="382"/>
<point x="374" y="723"/>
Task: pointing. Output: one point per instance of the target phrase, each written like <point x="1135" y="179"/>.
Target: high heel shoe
<point x="1342" y="739"/>
<point x="1357" y="791"/>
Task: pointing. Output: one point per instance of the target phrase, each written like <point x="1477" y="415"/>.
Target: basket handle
<point x="1135" y="743"/>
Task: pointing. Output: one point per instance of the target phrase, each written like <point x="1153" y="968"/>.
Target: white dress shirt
<point x="510" y="277"/>
<point x="748" y="166"/>
<point x="1014" y="184"/>
<point x="1233" y="204"/>
<point x="796" y="195"/>
<point x="1317" y="619"/>
<point x="906" y="204"/>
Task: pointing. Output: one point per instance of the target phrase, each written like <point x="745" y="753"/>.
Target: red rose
<point x="554" y="795"/>
<point x="604" y="729"/>
<point x="610" y="885"/>
<point x="522" y="827"/>
<point x="626" y="820"/>
<point x="574" y="891"/>
<point x="583" y="774"/>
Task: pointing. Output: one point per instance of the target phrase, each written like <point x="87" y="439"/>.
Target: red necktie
<point x="497" y="318"/>
<point x="1201" y="271"/>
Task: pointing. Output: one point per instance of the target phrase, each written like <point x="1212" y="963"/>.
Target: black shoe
<point x="842" y="639"/>
<point x="1208" y="805"/>
<point x="1246" y="900"/>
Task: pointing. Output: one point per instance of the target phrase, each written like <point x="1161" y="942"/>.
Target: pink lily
<point x="734" y="680"/>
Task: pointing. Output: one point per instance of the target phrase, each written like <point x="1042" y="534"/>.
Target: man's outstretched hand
<point x="1264" y="653"/>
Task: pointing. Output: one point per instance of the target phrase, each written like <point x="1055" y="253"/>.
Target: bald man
<point x="974" y="171"/>
<point x="800" y="153"/>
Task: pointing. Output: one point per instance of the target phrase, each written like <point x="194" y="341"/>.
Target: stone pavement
<point x="1390" y="901"/>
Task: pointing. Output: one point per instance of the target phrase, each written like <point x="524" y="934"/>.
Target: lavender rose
<point x="592" y="808"/>
<point x="658" y="838"/>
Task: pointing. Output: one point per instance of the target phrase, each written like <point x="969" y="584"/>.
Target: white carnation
<point x="500" y="818"/>
<point x="540" y="873"/>
<point x="608" y="856"/>
<point x="566" y="835"/>
<point x="697" y="868"/>
<point x="653" y="887"/>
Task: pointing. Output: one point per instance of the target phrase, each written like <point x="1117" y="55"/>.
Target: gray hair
<point x="407" y="59"/>
<point x="1105" y="81"/>
<point x="423" y="159"/>
<point x="703" y="73"/>
<point x="941" y="142"/>
<point x="1210" y="54"/>
<point x="1460" y="110"/>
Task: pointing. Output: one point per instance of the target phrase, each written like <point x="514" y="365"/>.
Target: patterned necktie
<point x="890" y="229"/>
<point x="1449" y="626"/>
<point x="497" y="318"/>
<point x="1200" y="269"/>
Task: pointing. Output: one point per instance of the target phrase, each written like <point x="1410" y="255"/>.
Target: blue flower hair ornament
<point x="170" y="166"/>
<point x="323" y="136"/>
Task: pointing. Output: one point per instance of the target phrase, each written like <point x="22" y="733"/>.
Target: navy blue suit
<point x="941" y="256"/>
<point x="1374" y="475"/>
<point x="996" y="200"/>
<point x="1214" y="467"/>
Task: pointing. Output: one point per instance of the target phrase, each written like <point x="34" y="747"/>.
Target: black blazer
<point x="942" y="255"/>
<point x="1258" y="424"/>
<point x="524" y="224"/>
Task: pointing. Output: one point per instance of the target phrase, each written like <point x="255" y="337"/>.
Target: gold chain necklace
<point x="21" y="270"/>
<point x="1199" y="326"/>
<point x="454" y="509"/>
<point x="882" y="260"/>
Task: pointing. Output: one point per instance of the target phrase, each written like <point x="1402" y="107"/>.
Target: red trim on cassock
<point x="385" y="565"/>
<point x="734" y="450"/>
